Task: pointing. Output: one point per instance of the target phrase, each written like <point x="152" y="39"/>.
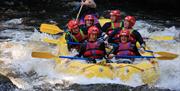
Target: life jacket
<point x="113" y="31"/>
<point x="78" y="37"/>
<point x="93" y="50"/>
<point x="132" y="37"/>
<point x="112" y="28"/>
<point x="125" y="49"/>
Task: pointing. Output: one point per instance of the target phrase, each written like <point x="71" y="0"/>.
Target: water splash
<point x="27" y="72"/>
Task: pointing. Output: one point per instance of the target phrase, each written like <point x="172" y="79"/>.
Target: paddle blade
<point x="62" y="46"/>
<point x="103" y="21"/>
<point x="51" y="29"/>
<point x="52" y="41"/>
<point x="166" y="55"/>
<point x="160" y="38"/>
<point x="42" y="55"/>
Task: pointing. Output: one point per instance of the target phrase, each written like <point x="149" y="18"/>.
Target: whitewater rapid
<point x="27" y="72"/>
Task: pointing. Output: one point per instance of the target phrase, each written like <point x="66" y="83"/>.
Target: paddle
<point x="62" y="46"/>
<point x="79" y="11"/>
<point x="50" y="28"/>
<point x="53" y="29"/>
<point x="166" y="55"/>
<point x="53" y="41"/>
<point x="102" y="21"/>
<point x="160" y="38"/>
<point x="49" y="56"/>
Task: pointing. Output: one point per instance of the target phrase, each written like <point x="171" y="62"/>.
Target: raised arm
<point x="89" y="3"/>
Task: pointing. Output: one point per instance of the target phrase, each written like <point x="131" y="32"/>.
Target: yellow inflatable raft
<point x="148" y="70"/>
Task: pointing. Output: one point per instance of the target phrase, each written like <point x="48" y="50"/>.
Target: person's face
<point x="92" y="37"/>
<point x="126" y="24"/>
<point x="124" y="39"/>
<point x="75" y="30"/>
<point x="89" y="23"/>
<point x="113" y="18"/>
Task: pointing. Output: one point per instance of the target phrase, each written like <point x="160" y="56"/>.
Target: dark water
<point x="36" y="12"/>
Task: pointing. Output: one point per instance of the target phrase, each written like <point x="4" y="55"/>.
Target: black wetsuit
<point x="139" y="39"/>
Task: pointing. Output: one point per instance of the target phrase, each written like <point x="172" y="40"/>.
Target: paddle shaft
<point x="158" y="38"/>
<point x="73" y="57"/>
<point x="115" y="56"/>
<point x="74" y="43"/>
<point x="79" y="12"/>
<point x="135" y="57"/>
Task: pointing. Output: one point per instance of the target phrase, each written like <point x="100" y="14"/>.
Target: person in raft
<point x="75" y="34"/>
<point x="113" y="27"/>
<point x="88" y="7"/>
<point x="129" y="22"/>
<point x="124" y="48"/>
<point x="89" y="21"/>
<point x="93" y="48"/>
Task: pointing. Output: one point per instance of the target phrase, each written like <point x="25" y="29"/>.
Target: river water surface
<point x="20" y="36"/>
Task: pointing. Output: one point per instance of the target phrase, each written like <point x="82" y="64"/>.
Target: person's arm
<point x="68" y="39"/>
<point x="140" y="40"/>
<point x="100" y="29"/>
<point x="138" y="37"/>
<point x="115" y="48"/>
<point x="106" y="26"/>
<point x="113" y="52"/>
<point x="82" y="50"/>
<point x="103" y="47"/>
<point x="89" y="3"/>
<point x="98" y="26"/>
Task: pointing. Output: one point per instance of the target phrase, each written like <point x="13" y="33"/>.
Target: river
<point x="20" y="36"/>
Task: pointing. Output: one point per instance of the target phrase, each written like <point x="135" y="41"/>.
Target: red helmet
<point x="73" y="24"/>
<point x="131" y="19"/>
<point x="89" y="17"/>
<point x="93" y="30"/>
<point x="124" y="33"/>
<point x="115" y="12"/>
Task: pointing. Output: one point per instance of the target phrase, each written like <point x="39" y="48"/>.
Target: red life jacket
<point x="125" y="49"/>
<point x="79" y="37"/>
<point x="93" y="50"/>
<point x="112" y="29"/>
<point x="113" y="26"/>
<point x="132" y="37"/>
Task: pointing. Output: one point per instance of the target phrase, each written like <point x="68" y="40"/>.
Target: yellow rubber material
<point x="148" y="70"/>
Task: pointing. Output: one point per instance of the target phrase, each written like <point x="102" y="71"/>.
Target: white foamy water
<point x="169" y="69"/>
<point x="28" y="72"/>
